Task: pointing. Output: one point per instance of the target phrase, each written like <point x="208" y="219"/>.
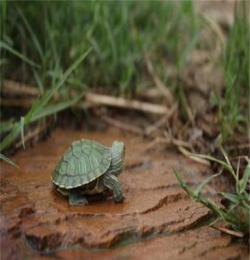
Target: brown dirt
<point x="156" y="221"/>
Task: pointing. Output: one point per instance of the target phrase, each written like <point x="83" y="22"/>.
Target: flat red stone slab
<point x="35" y="218"/>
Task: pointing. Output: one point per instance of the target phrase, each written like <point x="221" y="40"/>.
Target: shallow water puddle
<point x="157" y="219"/>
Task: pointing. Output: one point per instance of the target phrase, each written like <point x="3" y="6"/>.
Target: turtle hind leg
<point x="76" y="199"/>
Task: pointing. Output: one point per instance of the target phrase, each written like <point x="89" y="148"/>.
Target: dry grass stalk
<point x="192" y="156"/>
<point x="17" y="102"/>
<point x="229" y="231"/>
<point x="122" y="125"/>
<point x="91" y="99"/>
<point x="159" y="84"/>
<point x="152" y="128"/>
<point x="168" y="141"/>
<point x="98" y="99"/>
<point x="11" y="87"/>
<point x="216" y="28"/>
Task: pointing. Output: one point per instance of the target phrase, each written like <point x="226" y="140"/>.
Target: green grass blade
<point x="47" y="96"/>
<point x="204" y="183"/>
<point x="7" y="160"/>
<point x="205" y="201"/>
<point x="222" y="163"/>
<point x="38" y="81"/>
<point x="230" y="216"/>
<point x="32" y="34"/>
<point x="22" y="122"/>
<point x="55" y="108"/>
<point x="38" y="106"/>
<point x="6" y="126"/>
<point x="15" y="131"/>
<point x="245" y="179"/>
<point x="231" y="197"/>
<point x="228" y="161"/>
<point x="3" y="45"/>
<point x="111" y="39"/>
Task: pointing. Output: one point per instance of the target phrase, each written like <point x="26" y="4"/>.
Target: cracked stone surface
<point x="157" y="219"/>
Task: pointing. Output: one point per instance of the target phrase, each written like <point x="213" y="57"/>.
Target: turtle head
<point x="117" y="154"/>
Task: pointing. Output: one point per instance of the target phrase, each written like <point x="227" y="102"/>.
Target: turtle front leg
<point x="77" y="199"/>
<point x="112" y="183"/>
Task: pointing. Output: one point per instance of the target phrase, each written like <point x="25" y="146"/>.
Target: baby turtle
<point x="88" y="168"/>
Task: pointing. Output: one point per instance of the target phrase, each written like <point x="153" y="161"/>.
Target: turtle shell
<point x="82" y="163"/>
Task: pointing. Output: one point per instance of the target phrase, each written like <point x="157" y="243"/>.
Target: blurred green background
<point x="53" y="34"/>
<point x="69" y="47"/>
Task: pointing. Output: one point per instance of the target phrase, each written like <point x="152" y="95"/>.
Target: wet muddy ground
<point x="156" y="221"/>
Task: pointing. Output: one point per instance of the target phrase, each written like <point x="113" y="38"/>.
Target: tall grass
<point x="42" y="39"/>
<point x="53" y="34"/>
<point x="233" y="109"/>
<point x="40" y="109"/>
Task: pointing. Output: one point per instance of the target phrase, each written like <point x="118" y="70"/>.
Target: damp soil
<point x="157" y="220"/>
